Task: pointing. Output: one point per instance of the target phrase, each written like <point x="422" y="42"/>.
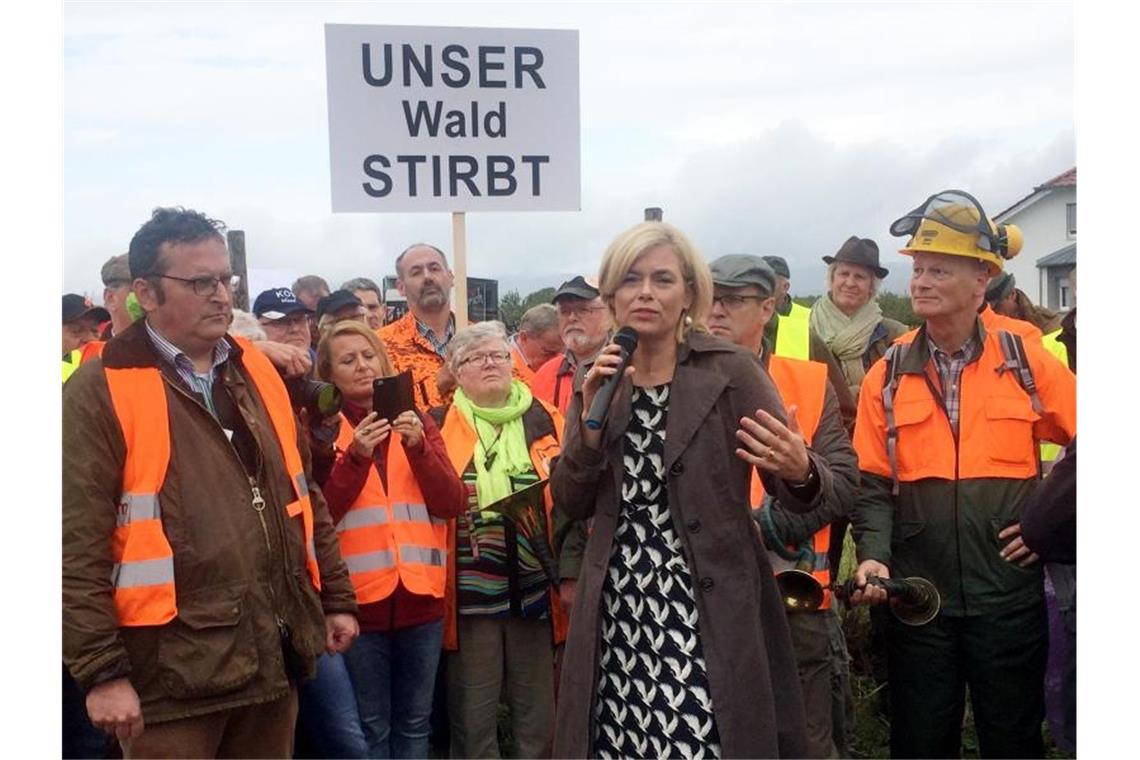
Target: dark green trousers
<point x="1001" y="657"/>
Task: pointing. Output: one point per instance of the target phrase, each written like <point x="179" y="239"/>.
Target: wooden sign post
<point x="235" y="241"/>
<point x="459" y="251"/>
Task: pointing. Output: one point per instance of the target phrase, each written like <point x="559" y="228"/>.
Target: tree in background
<point x="511" y="309"/>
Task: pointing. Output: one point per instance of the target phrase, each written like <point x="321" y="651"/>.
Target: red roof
<point x="1068" y="179"/>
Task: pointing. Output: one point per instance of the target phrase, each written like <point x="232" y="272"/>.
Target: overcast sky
<point x="758" y="128"/>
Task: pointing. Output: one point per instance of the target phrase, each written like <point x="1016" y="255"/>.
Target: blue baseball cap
<point x="277" y="303"/>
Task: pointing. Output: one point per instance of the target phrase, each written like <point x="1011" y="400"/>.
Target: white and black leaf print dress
<point x="653" y="693"/>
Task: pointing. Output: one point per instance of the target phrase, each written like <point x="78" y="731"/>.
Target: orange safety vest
<point x="552" y="385"/>
<point x="143" y="574"/>
<point x="388" y="537"/>
<point x="803" y="383"/>
<point x="459" y="439"/>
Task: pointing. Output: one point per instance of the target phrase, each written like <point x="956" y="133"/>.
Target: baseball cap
<point x="335" y="301"/>
<point x="275" y="303"/>
<point x="779" y="265"/>
<point x="739" y="269"/>
<point x="577" y="287"/>
<point x="76" y="306"/>
<point x="117" y="271"/>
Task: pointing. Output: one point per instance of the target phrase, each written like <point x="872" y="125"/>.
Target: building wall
<point x="1044" y="226"/>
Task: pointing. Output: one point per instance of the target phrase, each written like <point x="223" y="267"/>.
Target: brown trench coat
<point x="744" y="632"/>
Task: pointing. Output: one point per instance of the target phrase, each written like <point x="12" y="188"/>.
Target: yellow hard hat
<point x="953" y="222"/>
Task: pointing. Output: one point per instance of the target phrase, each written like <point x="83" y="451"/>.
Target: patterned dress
<point x="653" y="694"/>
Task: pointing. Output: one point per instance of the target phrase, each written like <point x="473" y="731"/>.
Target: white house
<point x="1048" y="220"/>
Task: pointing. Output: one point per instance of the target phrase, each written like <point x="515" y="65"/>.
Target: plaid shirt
<point x="950" y="368"/>
<point x="201" y="383"/>
<point x="439" y="344"/>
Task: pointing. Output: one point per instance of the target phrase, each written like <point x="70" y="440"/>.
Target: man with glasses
<point x="745" y="293"/>
<point x="584" y="325"/>
<point x="283" y="318"/>
<point x="201" y="575"/>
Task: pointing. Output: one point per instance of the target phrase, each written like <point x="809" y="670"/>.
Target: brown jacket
<point x="233" y="578"/>
<point x="744" y="633"/>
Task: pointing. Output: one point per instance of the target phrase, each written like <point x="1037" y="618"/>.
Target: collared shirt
<point x="950" y="368"/>
<point x="439" y="344"/>
<point x="199" y="382"/>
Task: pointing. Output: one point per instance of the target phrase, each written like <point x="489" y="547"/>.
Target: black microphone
<point x="626" y="337"/>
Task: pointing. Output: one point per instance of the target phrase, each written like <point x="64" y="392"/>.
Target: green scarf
<point x="847" y="337"/>
<point x="499" y="429"/>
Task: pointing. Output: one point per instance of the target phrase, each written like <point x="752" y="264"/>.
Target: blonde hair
<point x="627" y="247"/>
<point x="350" y="327"/>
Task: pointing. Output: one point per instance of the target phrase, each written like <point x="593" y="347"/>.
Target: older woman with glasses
<point x="389" y="496"/>
<point x="504" y="617"/>
<point x="680" y="646"/>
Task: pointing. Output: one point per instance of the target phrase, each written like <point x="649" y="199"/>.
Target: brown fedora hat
<point x="861" y="251"/>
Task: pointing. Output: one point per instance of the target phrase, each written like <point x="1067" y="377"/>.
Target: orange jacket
<point x="554" y="381"/>
<point x="409" y="350"/>
<point x="143" y="576"/>
<point x="388" y="537"/>
<point x="804" y="384"/>
<point x="460" y="438"/>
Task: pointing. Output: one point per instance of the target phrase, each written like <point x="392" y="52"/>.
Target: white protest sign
<point x="453" y="119"/>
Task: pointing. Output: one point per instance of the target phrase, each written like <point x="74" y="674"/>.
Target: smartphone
<point x="392" y="395"/>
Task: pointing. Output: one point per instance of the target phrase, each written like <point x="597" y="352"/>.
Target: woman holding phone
<point x="390" y="497"/>
<point x="679" y="645"/>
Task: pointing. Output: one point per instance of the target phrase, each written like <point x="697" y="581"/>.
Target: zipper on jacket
<point x="258" y="502"/>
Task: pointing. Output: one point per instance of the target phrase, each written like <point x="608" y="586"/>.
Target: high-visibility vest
<point x="78" y="356"/>
<point x="143" y="574"/>
<point x="804" y="384"/>
<point x="793" y="333"/>
<point x="1050" y="451"/>
<point x="459" y="438"/>
<point x="387" y="536"/>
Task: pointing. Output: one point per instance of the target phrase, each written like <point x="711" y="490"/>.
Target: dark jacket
<point x="233" y="578"/>
<point x="744" y="633"/>
<point x="1049" y="515"/>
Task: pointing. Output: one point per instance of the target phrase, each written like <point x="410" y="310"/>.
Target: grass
<point x="872" y="726"/>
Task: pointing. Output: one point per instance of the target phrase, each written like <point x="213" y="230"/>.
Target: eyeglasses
<point x="496" y="358"/>
<point x="736" y="301"/>
<point x="581" y="311"/>
<point x="206" y="286"/>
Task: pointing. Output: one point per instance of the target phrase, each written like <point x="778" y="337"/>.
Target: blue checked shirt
<point x="439" y="344"/>
<point x="201" y="383"/>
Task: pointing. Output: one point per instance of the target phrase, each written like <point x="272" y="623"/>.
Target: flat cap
<point x="739" y="269"/>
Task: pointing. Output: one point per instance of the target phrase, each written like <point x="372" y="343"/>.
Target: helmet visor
<point x="955" y="209"/>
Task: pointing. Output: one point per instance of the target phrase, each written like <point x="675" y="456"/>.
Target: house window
<point x="1071" y="219"/>
<point x="1064" y="294"/>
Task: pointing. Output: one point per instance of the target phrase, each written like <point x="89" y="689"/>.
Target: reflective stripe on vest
<point x="803" y="384"/>
<point x="792" y="334"/>
<point x="388" y="536"/>
<point x="143" y="574"/>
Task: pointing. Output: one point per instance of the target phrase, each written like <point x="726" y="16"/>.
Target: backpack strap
<point x="893" y="357"/>
<point x="1016" y="360"/>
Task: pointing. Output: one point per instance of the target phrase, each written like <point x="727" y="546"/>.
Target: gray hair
<point x="363" y="283"/>
<point x="245" y="325"/>
<point x="875" y="281"/>
<point x="539" y="319"/>
<point x="471" y="336"/>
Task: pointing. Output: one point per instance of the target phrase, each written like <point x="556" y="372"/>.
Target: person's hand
<point x="411" y="428"/>
<point x="341" y="629"/>
<point x="114" y="707"/>
<point x="368" y="434"/>
<point x="566" y="590"/>
<point x="445" y="382"/>
<point x="322" y="431"/>
<point x="1016" y="549"/>
<point x="774" y="447"/>
<point x="605" y="366"/>
<point x="290" y="360"/>
<point x="865" y="593"/>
